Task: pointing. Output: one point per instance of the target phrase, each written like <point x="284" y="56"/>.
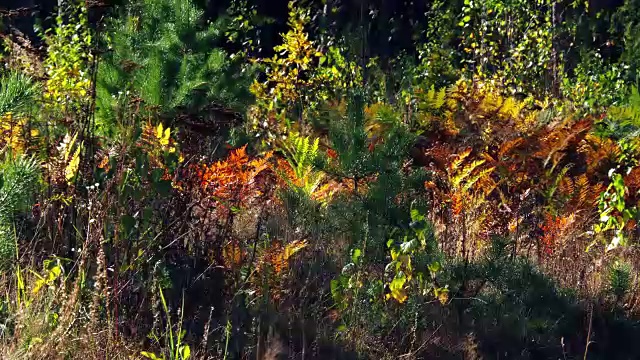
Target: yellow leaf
<point x="165" y="139"/>
<point x="442" y="294"/>
<point x="68" y="143"/>
<point x="159" y="131"/>
<point x="399" y="294"/>
<point x="71" y="169"/>
<point x="294" y="247"/>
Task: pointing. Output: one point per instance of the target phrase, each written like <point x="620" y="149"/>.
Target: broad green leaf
<point x="127" y="222"/>
<point x="408" y="246"/>
<point x="186" y="352"/>
<point x="416" y="215"/>
<point x="355" y="255"/>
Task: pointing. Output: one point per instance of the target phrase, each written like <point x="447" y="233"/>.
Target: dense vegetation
<point x="320" y="180"/>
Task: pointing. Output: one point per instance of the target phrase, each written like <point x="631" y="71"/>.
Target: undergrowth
<point x="170" y="189"/>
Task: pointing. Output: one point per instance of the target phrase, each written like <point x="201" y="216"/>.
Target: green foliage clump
<point x="595" y="84"/>
<point x="17" y="92"/>
<point x="68" y="61"/>
<point x="625" y="22"/>
<point x="167" y="55"/>
<point x="19" y="181"/>
<point x="623" y="121"/>
<point x="619" y="279"/>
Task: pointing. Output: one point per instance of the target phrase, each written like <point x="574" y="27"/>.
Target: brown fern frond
<point x="632" y="180"/>
<point x="566" y="187"/>
<point x="508" y="146"/>
<point x="553" y="145"/>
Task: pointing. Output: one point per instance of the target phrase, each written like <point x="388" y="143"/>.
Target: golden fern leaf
<point x="527" y="122"/>
<point x="439" y="100"/>
<point x="484" y="179"/>
<point x="71" y="169"/>
<point x="67" y="145"/>
<point x="465" y="173"/>
<point x="455" y="164"/>
<point x="278" y="257"/>
<point x="491" y="103"/>
<point x="488" y="158"/>
<point x="510" y="108"/>
<point x="586" y="195"/>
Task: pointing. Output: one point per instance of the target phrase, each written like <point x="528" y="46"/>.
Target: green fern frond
<point x="553" y="187"/>
<point x="620" y="278"/>
<point x="433" y="99"/>
<point x="624" y="121"/>
<point x="301" y="153"/>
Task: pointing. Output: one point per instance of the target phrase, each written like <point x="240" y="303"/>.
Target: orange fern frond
<point x="507" y="147"/>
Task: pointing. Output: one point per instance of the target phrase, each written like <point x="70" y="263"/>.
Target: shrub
<point x="19" y="180"/>
<point x="165" y="54"/>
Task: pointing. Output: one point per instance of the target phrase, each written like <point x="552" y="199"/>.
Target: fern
<point x="301" y="154"/>
<point x="623" y="122"/>
<point x="71" y="169"/>
<point x="433" y="99"/>
<point x="465" y="173"/>
<point x="64" y="167"/>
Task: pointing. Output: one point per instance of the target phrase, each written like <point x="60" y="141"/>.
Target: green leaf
<point x="416" y="215"/>
<point x="408" y="246"/>
<point x="156" y="175"/>
<point x="335" y="287"/>
<point x="127" y="222"/>
<point x="163" y="187"/>
<point x="396" y="287"/>
<point x="150" y="355"/>
<point x="186" y="352"/>
<point x="355" y="255"/>
<point x="435" y="267"/>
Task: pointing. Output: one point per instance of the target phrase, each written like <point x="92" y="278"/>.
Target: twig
<point x="469" y="298"/>
<point x="586" y="348"/>
<point x="424" y="343"/>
